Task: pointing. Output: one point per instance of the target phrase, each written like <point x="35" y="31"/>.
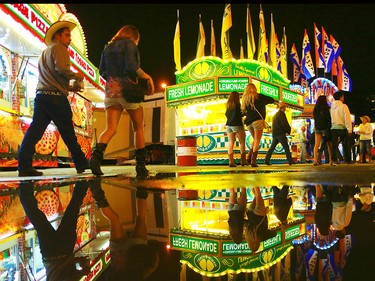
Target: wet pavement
<point x="164" y="178"/>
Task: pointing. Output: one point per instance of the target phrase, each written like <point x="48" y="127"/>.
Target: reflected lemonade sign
<point x="194" y="244"/>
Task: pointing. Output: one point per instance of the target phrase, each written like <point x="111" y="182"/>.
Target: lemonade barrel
<point x="187" y="151"/>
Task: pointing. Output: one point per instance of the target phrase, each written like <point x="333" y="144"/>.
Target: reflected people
<point x="256" y="224"/>
<point x="282" y="203"/>
<point x="131" y="255"/>
<point x="57" y="245"/>
<point x="236" y="213"/>
<point x="323" y="208"/>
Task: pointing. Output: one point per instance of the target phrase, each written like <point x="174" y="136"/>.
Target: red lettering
<point x="35" y="19"/>
<point x="24" y="10"/>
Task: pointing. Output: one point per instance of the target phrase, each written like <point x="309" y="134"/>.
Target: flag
<point x="226" y="25"/>
<point x="176" y="44"/>
<point x="250" y="35"/>
<point x="296" y="65"/>
<point x="337" y="51"/>
<point x="283" y="55"/>
<point x="201" y="39"/>
<point x="278" y="53"/>
<point x="344" y="82"/>
<point x="242" y="55"/>
<point x="307" y="65"/>
<point x="319" y="58"/>
<point x="272" y="47"/>
<point x="262" y="40"/>
<point x="328" y="51"/>
<point x="213" y="41"/>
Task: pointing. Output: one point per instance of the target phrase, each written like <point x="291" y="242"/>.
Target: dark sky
<point x="352" y="25"/>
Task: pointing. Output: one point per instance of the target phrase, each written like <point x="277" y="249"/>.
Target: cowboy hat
<point x="366" y="118"/>
<point x="282" y="104"/>
<point x="55" y="27"/>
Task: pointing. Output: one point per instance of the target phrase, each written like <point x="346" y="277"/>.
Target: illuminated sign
<point x="267" y="89"/>
<point x="295" y="231"/>
<point x="194" y="244"/>
<point x="191" y="90"/>
<point x="230" y="84"/>
<point x="322" y="86"/>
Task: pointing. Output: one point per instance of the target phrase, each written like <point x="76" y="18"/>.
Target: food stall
<point x="199" y="98"/>
<point x="205" y="244"/>
<point x="22" y="29"/>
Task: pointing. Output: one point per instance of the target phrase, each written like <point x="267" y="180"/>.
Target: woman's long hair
<point x="321" y="103"/>
<point x="127" y="31"/>
<point x="233" y="100"/>
<point x="249" y="96"/>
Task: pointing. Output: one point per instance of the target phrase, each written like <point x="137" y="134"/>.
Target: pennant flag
<point x="307" y="65"/>
<point x="213" y="41"/>
<point x="242" y="55"/>
<point x="319" y="58"/>
<point x="328" y="51"/>
<point x="278" y="53"/>
<point x="272" y="51"/>
<point x="344" y="82"/>
<point x="250" y="35"/>
<point x="283" y="55"/>
<point x="226" y="25"/>
<point x="201" y="39"/>
<point x="262" y="43"/>
<point x="296" y="65"/>
<point x="176" y="44"/>
<point x="337" y="51"/>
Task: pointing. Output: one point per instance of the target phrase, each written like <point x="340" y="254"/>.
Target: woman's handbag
<point x="266" y="125"/>
<point x="134" y="92"/>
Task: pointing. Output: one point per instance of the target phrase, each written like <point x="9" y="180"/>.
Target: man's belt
<point x="48" y="92"/>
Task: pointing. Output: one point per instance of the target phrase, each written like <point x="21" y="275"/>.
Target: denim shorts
<point x="108" y="102"/>
<point x="234" y="129"/>
<point x="256" y="125"/>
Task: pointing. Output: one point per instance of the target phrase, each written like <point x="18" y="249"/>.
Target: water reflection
<point x="312" y="231"/>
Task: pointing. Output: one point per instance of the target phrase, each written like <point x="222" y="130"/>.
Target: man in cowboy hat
<point x="365" y="133"/>
<point x="51" y="102"/>
<point x="280" y="128"/>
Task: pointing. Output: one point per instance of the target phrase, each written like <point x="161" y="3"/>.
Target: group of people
<point x="333" y="125"/>
<point x="253" y="108"/>
<point x="120" y="63"/>
<point x="255" y="228"/>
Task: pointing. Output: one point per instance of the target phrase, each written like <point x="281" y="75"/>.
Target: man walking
<point x="341" y="127"/>
<point x="280" y="128"/>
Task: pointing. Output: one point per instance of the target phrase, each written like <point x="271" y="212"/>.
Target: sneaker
<point x="31" y="172"/>
<point x="82" y="169"/>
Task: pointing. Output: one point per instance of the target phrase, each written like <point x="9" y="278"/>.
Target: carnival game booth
<point x="199" y="98"/>
<point x="22" y="29"/>
<point x="207" y="249"/>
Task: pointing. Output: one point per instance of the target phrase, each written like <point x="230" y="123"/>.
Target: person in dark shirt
<point x="256" y="224"/>
<point x="280" y="128"/>
<point x="281" y="203"/>
<point x="234" y="127"/>
<point x="254" y="107"/>
<point x="236" y="213"/>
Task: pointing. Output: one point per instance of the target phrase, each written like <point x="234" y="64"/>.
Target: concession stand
<point x="20" y="257"/>
<point x="206" y="246"/>
<point x="22" y="29"/>
<point x="199" y="98"/>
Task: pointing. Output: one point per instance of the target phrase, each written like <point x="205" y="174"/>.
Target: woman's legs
<point x="242" y="138"/>
<point x="231" y="139"/>
<point x="318" y="141"/>
<point x="256" y="141"/>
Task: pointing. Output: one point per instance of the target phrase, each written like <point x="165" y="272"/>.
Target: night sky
<point x="352" y="26"/>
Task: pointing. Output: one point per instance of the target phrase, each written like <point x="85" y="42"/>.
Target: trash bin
<point x="187" y="151"/>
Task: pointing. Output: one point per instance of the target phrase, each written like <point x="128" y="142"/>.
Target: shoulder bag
<point x="134" y="92"/>
<point x="266" y="125"/>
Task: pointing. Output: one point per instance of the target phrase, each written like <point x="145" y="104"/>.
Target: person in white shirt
<point x="302" y="139"/>
<point x="365" y="133"/>
<point x="341" y="127"/>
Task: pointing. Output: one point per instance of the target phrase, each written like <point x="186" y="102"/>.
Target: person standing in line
<point x="281" y="203"/>
<point x="302" y="139"/>
<point x="280" y="128"/>
<point x="51" y="102"/>
<point x="235" y="127"/>
<point x="365" y="132"/>
<point x="120" y="63"/>
<point x="341" y="127"/>
<point x="322" y="121"/>
<point x="254" y="107"/>
<point x="236" y="213"/>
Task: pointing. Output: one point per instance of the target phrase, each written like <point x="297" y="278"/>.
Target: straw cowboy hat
<point x="55" y="27"/>
<point x="282" y="104"/>
<point x="365" y="117"/>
